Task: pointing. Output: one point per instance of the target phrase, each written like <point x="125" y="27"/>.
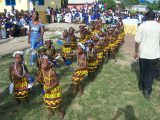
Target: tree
<point x="64" y="3"/>
<point x="154" y="6"/>
<point x="111" y="4"/>
<point x="129" y="3"/>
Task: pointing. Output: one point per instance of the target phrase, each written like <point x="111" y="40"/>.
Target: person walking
<point x="147" y="49"/>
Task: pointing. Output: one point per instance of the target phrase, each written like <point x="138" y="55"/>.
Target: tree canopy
<point x="129" y="3"/>
<point x="111" y="4"/>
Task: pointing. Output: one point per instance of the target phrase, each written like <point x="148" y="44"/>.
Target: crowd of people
<point x="95" y="45"/>
<point x="92" y="48"/>
<point x="14" y="23"/>
<point x="84" y="14"/>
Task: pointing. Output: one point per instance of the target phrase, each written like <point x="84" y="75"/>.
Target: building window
<point x="10" y="2"/>
<point x="41" y="2"/>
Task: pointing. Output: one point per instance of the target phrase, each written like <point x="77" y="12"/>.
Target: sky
<point x="150" y="0"/>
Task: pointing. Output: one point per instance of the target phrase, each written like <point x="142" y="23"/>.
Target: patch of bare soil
<point x="128" y="50"/>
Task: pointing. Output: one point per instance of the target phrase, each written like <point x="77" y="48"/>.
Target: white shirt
<point x="22" y="22"/>
<point x="148" y="35"/>
<point x="48" y="11"/>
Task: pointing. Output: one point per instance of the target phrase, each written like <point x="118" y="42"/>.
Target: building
<point x="39" y="5"/>
<point x="79" y="3"/>
<point x="140" y="8"/>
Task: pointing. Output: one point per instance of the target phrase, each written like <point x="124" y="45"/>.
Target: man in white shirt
<point x="147" y="48"/>
<point x="48" y="14"/>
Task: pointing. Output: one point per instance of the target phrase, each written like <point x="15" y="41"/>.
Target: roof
<point x="139" y="6"/>
<point x="80" y="1"/>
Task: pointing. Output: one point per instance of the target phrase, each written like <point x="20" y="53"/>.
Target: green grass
<point x="113" y="95"/>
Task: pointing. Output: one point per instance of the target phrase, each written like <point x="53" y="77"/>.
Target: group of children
<point x="92" y="48"/>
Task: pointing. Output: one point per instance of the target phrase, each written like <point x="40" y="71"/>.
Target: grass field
<point x="114" y="95"/>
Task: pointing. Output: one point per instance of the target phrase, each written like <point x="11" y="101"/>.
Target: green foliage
<point x="133" y="12"/>
<point x="154" y="6"/>
<point x="110" y="4"/>
<point x="129" y="3"/>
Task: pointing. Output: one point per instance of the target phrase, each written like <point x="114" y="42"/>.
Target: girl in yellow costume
<point x="18" y="74"/>
<point x="82" y="39"/>
<point x="98" y="49"/>
<point x="122" y="33"/>
<point x="81" y="70"/>
<point x="102" y="41"/>
<point x="41" y="53"/>
<point x="73" y="39"/>
<point x="112" y="45"/>
<point x="50" y="49"/>
<point x="52" y="91"/>
<point x="66" y="49"/>
<point x="91" y="60"/>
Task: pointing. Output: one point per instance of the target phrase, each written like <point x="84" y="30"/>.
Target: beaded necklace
<point x="24" y="72"/>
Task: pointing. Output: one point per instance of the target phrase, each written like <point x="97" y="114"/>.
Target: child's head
<point x="95" y="37"/>
<point x="43" y="51"/>
<point x="110" y="30"/>
<point x="65" y="33"/>
<point x="48" y="43"/>
<point x="18" y="56"/>
<point x="90" y="45"/>
<point x="80" y="48"/>
<point x="82" y="35"/>
<point x="71" y="30"/>
<point x="46" y="63"/>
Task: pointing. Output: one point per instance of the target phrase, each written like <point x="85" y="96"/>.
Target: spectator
<point x="36" y="32"/>
<point x="48" y="15"/>
<point x="147" y="48"/>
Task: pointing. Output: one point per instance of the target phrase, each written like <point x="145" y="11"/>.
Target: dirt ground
<point x="19" y="43"/>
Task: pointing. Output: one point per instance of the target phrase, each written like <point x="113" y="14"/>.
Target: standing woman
<point x="36" y="32"/>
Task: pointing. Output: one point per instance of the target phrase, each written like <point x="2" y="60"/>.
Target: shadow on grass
<point x="128" y="113"/>
<point x="9" y="108"/>
<point x="67" y="98"/>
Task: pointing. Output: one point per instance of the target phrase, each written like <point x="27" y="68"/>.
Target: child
<point x="91" y="60"/>
<point x="73" y="38"/>
<point x="98" y="48"/>
<point x="112" y="45"/>
<point x="52" y="91"/>
<point x="41" y="52"/>
<point x="82" y="39"/>
<point x="18" y="74"/>
<point x="81" y="70"/>
<point x="66" y="49"/>
<point x="51" y="51"/>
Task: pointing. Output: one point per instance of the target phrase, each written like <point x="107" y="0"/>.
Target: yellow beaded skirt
<point x="20" y="88"/>
<point x="92" y="65"/>
<point x="79" y="75"/>
<point x="99" y="57"/>
<point x="52" y="99"/>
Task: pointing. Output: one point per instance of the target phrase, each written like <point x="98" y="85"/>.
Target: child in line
<point x="52" y="92"/>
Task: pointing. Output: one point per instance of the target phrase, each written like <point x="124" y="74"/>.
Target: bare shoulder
<point x="11" y="66"/>
<point x="53" y="71"/>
